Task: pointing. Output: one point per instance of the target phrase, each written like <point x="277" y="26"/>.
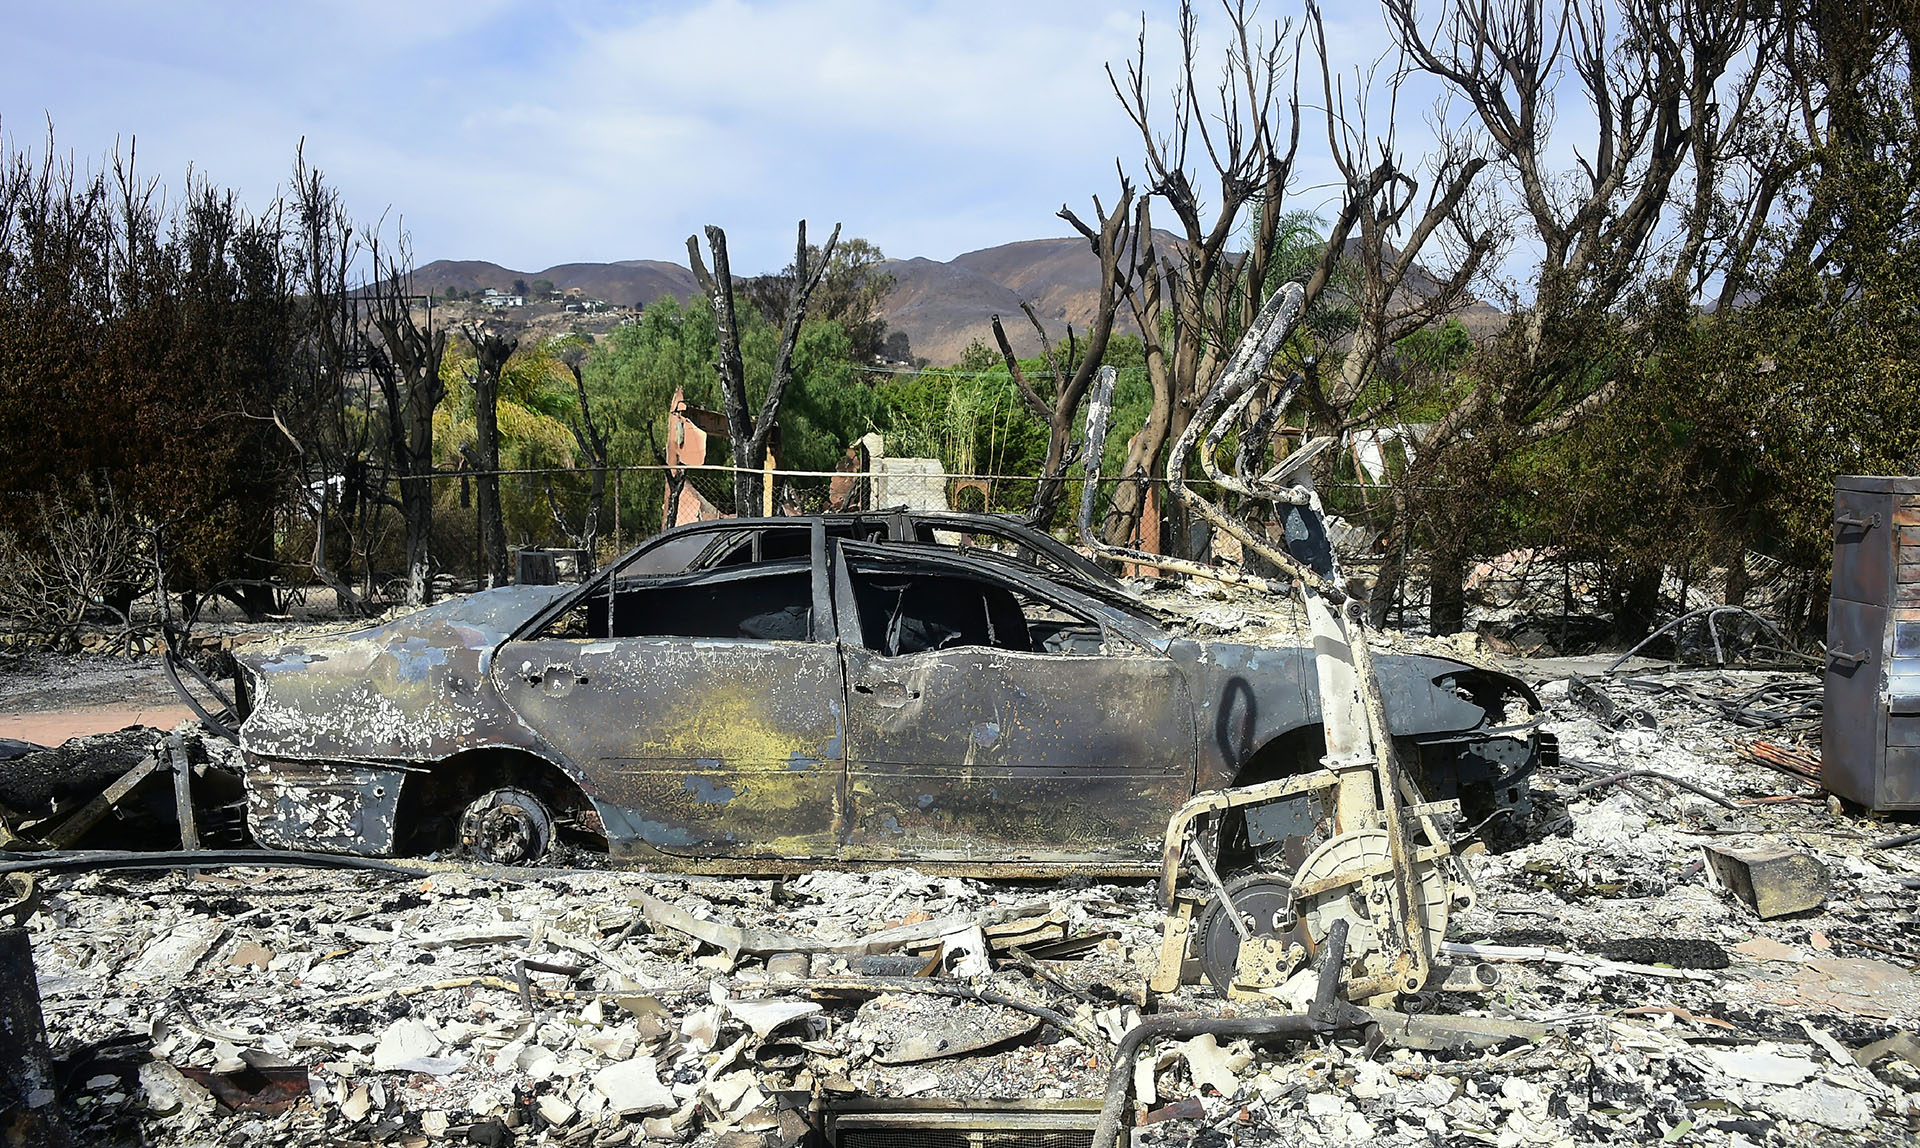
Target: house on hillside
<point x="496" y="298"/>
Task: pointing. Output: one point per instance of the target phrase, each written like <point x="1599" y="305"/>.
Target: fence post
<point x="618" y="549"/>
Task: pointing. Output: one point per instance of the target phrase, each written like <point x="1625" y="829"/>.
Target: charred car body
<point x="772" y="695"/>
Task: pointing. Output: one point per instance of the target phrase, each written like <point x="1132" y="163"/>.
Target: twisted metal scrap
<point x="1362" y="738"/>
<point x="1224" y="406"/>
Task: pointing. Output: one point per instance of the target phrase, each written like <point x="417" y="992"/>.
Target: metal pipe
<point x="1249" y="359"/>
<point x="88" y="860"/>
<point x="1219" y="887"/>
<point x="1412" y="906"/>
<point x="1711" y="613"/>
<point x="1719" y="799"/>
<point x="1099" y="408"/>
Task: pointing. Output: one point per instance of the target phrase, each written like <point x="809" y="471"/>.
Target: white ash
<point x="400" y="997"/>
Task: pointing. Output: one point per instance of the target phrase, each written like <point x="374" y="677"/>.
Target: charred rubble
<point x="1608" y="985"/>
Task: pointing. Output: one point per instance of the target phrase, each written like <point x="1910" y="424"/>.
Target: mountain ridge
<point x="942" y="306"/>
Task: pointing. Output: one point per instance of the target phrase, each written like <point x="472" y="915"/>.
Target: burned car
<point x="956" y="692"/>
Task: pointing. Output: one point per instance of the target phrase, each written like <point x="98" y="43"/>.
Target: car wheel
<point x="1265" y="902"/>
<point x="507" y="827"/>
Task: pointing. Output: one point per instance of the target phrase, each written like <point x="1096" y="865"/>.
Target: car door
<point x="705" y="707"/>
<point x="990" y="719"/>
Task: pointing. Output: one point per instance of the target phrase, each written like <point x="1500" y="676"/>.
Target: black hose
<point x="1771" y="705"/>
<point x="1288" y="1026"/>
<point x="1328" y="1015"/>
<point x="1710" y="613"/>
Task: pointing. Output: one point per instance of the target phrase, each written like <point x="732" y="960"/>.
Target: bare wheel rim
<point x="507" y="827"/>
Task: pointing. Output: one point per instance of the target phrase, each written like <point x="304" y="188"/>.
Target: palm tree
<point x="536" y="404"/>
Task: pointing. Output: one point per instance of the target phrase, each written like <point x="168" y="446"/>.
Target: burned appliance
<point x="1870" y="732"/>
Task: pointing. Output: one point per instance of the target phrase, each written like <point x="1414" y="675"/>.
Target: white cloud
<point x="540" y="133"/>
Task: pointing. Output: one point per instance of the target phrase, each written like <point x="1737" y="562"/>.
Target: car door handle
<point x="535" y="677"/>
<point x="887" y="693"/>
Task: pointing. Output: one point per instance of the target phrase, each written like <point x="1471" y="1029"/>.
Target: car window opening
<point x="905" y="613"/>
<point x="778" y="543"/>
<point x="975" y="541"/>
<point x="771" y="606"/>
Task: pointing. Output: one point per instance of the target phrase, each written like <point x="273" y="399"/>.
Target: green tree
<point x="534" y="404"/>
<point x="828" y="406"/>
<point x="850" y="294"/>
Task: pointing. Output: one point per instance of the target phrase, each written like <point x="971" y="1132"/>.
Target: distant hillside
<point x="949" y="305"/>
<point x="1060" y="277"/>
<point x="942" y="307"/>
<point x="631" y="282"/>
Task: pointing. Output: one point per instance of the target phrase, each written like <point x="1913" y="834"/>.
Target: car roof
<point x="1062" y="560"/>
<point x="1071" y="571"/>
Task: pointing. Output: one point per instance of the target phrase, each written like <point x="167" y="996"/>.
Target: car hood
<point x="485" y="618"/>
<point x="414" y="688"/>
<point x="1248" y="695"/>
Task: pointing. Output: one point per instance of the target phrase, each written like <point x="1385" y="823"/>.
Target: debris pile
<point x="1681" y="945"/>
<point x="1205" y="610"/>
<point x="568" y="1006"/>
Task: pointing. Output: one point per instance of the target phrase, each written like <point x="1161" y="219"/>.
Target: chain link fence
<point x="1534" y="598"/>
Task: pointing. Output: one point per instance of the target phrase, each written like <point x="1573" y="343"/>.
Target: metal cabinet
<point x="1870" y="732"/>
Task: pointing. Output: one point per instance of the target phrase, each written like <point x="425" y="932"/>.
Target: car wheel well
<point x="1300" y="749"/>
<point x="1289" y="754"/>
<point x="1296" y="751"/>
<point x="431" y="803"/>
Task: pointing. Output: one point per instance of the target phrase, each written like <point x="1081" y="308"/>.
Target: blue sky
<point x="537" y="133"/>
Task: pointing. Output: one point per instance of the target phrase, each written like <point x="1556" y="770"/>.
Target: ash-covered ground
<point x="1648" y="1005"/>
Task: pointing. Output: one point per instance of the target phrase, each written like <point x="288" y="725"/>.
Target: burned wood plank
<point x="29" y="1092"/>
<point x="89" y="815"/>
<point x="183" y="793"/>
<point x="736" y="939"/>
